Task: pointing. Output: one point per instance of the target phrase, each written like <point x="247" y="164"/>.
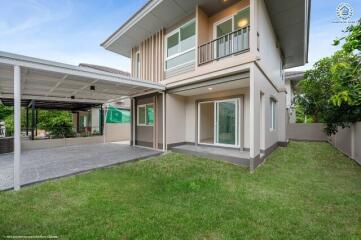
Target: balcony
<point x="229" y="44"/>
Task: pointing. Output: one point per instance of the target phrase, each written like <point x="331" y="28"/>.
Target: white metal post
<point x="17" y="126"/>
<point x="163" y="121"/>
<point x="133" y="120"/>
<point x="104" y="114"/>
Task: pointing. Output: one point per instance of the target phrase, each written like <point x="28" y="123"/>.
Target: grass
<point x="304" y="191"/>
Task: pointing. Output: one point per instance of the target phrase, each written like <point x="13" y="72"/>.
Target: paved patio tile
<point x="41" y="165"/>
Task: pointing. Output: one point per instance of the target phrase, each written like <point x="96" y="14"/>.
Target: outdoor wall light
<point x="92" y="88"/>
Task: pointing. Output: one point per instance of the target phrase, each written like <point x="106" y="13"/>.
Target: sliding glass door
<point x="226" y="122"/>
<point x="218" y="122"/>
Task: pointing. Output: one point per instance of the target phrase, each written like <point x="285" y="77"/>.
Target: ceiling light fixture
<point x="210" y="89"/>
<point x="242" y="23"/>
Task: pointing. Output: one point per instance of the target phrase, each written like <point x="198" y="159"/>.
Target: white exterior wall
<point x="264" y="136"/>
<point x="262" y="85"/>
<point x="269" y="53"/>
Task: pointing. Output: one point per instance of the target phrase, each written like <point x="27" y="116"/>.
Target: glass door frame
<point x="237" y="102"/>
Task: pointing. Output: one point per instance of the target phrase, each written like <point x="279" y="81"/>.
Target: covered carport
<point x="32" y="106"/>
<point x="33" y="79"/>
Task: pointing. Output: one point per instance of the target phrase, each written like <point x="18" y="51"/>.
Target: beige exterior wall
<point x="117" y="132"/>
<point x="175" y="119"/>
<point x="151" y="135"/>
<point x="144" y="135"/>
<point x="227" y="66"/>
<point x="202" y="30"/>
<point x="151" y="52"/>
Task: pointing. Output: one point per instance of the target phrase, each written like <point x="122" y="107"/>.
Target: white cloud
<point x="30" y="14"/>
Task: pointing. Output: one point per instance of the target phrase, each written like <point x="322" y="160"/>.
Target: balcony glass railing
<point x="226" y="45"/>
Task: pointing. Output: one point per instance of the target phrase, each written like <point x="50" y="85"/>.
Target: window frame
<point x="215" y="25"/>
<point x="177" y="30"/>
<point x="145" y="124"/>
<point x="273" y="111"/>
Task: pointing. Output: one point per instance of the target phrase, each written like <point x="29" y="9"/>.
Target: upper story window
<point x="273" y="103"/>
<point x="229" y="34"/>
<point x="281" y="71"/>
<point x="180" y="46"/>
<point x="238" y="21"/>
<point x="137" y="65"/>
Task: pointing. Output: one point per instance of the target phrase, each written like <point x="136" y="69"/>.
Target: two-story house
<point x="222" y="62"/>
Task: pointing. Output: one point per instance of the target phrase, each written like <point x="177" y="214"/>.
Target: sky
<point x="71" y="31"/>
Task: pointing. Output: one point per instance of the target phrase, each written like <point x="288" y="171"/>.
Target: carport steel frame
<point x="18" y="62"/>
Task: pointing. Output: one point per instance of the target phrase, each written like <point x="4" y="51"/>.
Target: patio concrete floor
<point x="218" y="153"/>
<point x="41" y="165"/>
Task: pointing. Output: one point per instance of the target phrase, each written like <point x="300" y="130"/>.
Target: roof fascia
<point x="149" y="6"/>
<point x="23" y="61"/>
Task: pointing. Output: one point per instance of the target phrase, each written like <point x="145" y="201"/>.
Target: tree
<point x="57" y="123"/>
<point x="331" y="91"/>
<point x="5" y="111"/>
<point x="315" y="90"/>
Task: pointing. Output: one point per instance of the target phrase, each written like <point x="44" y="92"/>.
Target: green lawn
<point x="304" y="191"/>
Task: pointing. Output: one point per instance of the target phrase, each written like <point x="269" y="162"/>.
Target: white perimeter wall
<point x="347" y="140"/>
<point x="356" y="142"/>
<point x="113" y="133"/>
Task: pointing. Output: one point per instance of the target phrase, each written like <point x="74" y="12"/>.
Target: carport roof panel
<point x="48" y="80"/>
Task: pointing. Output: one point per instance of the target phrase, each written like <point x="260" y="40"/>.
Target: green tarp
<point x="150" y="114"/>
<point x="115" y="115"/>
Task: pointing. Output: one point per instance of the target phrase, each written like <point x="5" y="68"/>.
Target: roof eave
<point x="308" y="19"/>
<point x="41" y="64"/>
<point x="151" y="4"/>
